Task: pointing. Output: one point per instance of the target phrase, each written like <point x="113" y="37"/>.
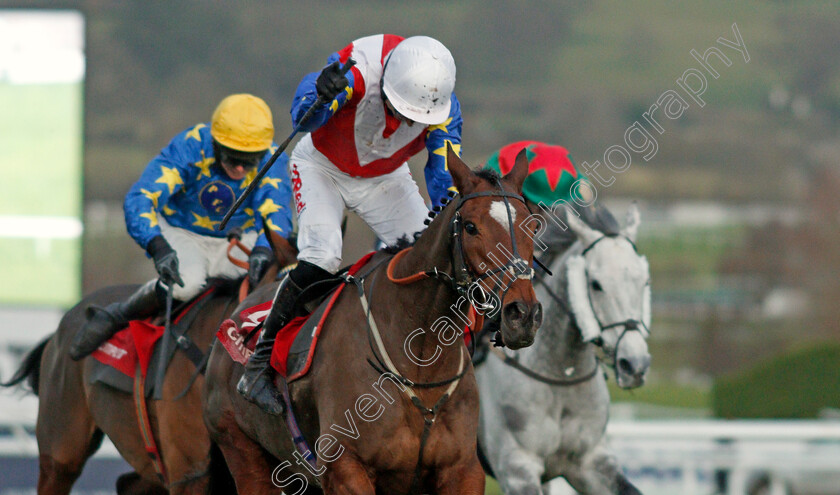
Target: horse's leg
<point x="65" y="429"/>
<point x="134" y="484"/>
<point x="598" y="472"/>
<point x="182" y="435"/>
<point x="248" y="462"/>
<point x="116" y="415"/>
<point x="520" y="472"/>
<point x="466" y="478"/>
<point x="347" y="476"/>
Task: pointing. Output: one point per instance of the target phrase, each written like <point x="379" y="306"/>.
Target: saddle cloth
<point x="295" y="344"/>
<point x="118" y="357"/>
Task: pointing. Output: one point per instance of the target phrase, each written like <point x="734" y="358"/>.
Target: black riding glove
<point x="331" y="81"/>
<point x="260" y="259"/>
<point x="166" y="261"/>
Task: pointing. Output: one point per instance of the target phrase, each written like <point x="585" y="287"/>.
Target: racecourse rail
<point x="784" y="451"/>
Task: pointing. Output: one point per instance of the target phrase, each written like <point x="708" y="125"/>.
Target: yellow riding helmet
<point x="243" y="122"/>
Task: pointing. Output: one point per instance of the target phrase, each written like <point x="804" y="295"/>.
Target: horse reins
<point x="629" y="325"/>
<point x="557" y="382"/>
<point x="460" y="282"/>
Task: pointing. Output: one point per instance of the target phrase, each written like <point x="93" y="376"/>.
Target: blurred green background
<point x="740" y="202"/>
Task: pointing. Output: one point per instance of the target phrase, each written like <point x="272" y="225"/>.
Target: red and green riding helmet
<point x="551" y="171"/>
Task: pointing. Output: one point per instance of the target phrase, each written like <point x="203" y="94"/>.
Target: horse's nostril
<point x="537" y="314"/>
<point x="515" y="311"/>
<point x="625" y="367"/>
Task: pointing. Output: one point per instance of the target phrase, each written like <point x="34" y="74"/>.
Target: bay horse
<point x="74" y="414"/>
<point x="547" y="419"/>
<point x="417" y="408"/>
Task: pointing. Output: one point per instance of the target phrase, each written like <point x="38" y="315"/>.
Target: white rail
<point x="789" y="455"/>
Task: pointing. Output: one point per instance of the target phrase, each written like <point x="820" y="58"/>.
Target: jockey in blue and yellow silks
<point x="174" y="209"/>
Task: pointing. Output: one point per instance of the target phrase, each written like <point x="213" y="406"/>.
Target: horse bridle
<point x="460" y="282"/>
<point x="463" y="278"/>
<point x="629" y="324"/>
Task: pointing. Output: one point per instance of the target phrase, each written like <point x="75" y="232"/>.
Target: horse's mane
<point x="489" y="175"/>
<point x="596" y="216"/>
<point x="402" y="243"/>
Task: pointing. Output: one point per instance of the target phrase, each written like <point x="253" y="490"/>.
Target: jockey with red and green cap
<point x="552" y="174"/>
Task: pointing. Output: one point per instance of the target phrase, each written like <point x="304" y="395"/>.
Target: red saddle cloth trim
<point x="136" y="343"/>
<point x="129" y="346"/>
<point x="233" y="336"/>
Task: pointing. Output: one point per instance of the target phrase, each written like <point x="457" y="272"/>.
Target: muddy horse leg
<point x="463" y="479"/>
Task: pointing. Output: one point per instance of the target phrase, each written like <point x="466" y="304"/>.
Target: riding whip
<point x="165" y="344"/>
<point x="253" y="185"/>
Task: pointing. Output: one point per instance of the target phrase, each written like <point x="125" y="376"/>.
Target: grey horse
<point x="547" y="420"/>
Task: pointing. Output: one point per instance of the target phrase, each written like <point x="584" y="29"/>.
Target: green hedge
<point x="796" y="385"/>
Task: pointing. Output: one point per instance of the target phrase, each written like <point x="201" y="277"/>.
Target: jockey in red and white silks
<point x="398" y="99"/>
<point x="356" y="154"/>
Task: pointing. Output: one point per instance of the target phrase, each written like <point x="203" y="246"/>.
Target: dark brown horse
<point x="390" y="404"/>
<point x="74" y="415"/>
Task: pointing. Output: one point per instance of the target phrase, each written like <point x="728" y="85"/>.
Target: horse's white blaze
<point x="499" y="212"/>
<point x="579" y="299"/>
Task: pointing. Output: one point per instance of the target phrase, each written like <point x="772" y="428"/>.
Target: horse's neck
<point x="424" y="305"/>
<point x="558" y="345"/>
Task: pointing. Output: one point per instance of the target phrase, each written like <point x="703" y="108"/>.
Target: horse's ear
<point x="633" y="219"/>
<point x="462" y="177"/>
<point x="516" y="176"/>
<point x="585" y="233"/>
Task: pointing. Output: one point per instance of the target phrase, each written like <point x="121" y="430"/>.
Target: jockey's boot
<point x="256" y="384"/>
<point x="104" y="322"/>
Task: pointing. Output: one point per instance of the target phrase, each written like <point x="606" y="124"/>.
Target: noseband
<point x="464" y="276"/>
<point x="629" y="325"/>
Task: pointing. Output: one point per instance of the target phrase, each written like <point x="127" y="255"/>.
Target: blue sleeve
<point x="272" y="201"/>
<point x="164" y="176"/>
<point x="438" y="180"/>
<point x="306" y="95"/>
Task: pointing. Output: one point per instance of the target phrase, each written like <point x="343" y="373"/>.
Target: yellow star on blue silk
<point x="248" y="178"/>
<point x="194" y="133"/>
<point x="248" y="224"/>
<point x="441" y="126"/>
<point x="171" y="177"/>
<point x="168" y="211"/>
<point x="442" y="151"/>
<point x="152" y="216"/>
<point x="272" y="226"/>
<point x="204" y="164"/>
<point x="274" y="182"/>
<point x="268" y="207"/>
<point x="205" y="222"/>
<point x="154" y="196"/>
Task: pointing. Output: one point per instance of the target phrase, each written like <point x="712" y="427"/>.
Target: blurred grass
<point x="40" y="155"/>
<point x="666" y="394"/>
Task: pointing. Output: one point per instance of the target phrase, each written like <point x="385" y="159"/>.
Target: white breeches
<point x="201" y="257"/>
<point x="390" y="204"/>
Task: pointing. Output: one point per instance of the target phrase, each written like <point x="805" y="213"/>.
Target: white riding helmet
<point x="419" y="78"/>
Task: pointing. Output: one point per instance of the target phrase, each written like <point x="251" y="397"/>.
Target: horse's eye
<point x="596" y="286"/>
<point x="470" y="228"/>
